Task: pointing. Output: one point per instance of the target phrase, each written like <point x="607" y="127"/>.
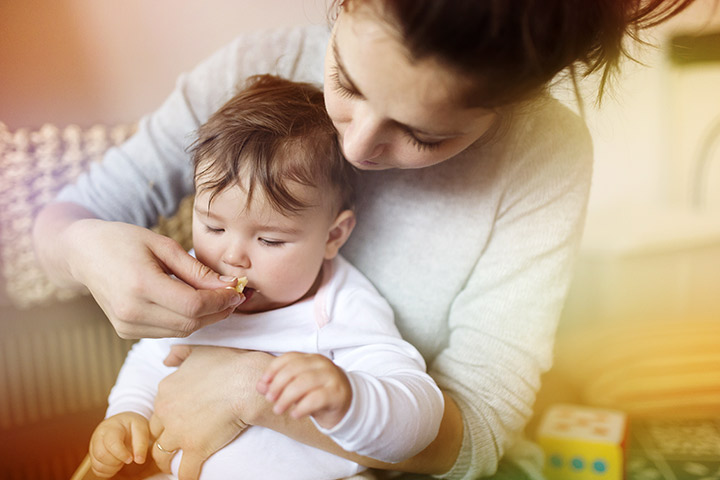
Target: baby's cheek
<point x="290" y="287"/>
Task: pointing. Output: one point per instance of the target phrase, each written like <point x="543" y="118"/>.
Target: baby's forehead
<point x="253" y="195"/>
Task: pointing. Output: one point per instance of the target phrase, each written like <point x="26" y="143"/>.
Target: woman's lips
<point x="368" y="163"/>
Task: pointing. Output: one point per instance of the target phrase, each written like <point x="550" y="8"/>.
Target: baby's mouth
<point x="248" y="292"/>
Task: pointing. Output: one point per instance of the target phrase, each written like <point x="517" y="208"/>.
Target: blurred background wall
<point x="104" y="61"/>
<point x="651" y="249"/>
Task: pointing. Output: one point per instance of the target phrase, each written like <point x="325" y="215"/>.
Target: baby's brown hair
<point x="271" y="133"/>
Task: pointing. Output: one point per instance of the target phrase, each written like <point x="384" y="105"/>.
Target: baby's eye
<point x="271" y="243"/>
<point x="213" y="229"/>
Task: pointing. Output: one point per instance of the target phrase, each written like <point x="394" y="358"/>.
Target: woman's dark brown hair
<point x="271" y="133"/>
<point x="513" y="49"/>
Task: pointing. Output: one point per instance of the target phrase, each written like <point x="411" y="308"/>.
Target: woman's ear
<point x="339" y="232"/>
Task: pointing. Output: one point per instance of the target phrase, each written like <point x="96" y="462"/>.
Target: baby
<point x="274" y="200"/>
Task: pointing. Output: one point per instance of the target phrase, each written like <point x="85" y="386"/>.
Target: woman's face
<point x="390" y="111"/>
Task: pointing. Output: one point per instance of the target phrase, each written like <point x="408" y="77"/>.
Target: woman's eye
<point x="339" y="87"/>
<point x="271" y="243"/>
<point x="419" y="144"/>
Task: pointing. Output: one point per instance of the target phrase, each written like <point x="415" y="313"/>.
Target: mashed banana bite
<point x="242" y="282"/>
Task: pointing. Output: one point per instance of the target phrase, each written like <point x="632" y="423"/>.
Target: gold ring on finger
<point x="171" y="452"/>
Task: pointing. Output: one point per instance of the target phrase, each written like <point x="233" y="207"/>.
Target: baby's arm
<point x="136" y="385"/>
<point x="307" y="384"/>
<point x="394" y="415"/>
<point x="395" y="407"/>
<point x="119" y="440"/>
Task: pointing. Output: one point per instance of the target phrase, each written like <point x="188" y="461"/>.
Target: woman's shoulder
<point x="547" y="120"/>
<point x="543" y="135"/>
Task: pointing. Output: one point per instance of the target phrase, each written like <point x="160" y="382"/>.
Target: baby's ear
<point x="339" y="232"/>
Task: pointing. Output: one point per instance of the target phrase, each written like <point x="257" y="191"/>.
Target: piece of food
<point x="241" y="284"/>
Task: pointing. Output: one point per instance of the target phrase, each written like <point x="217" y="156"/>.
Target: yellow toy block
<point x="583" y="443"/>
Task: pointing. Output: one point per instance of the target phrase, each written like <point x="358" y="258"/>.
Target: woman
<point x="471" y="211"/>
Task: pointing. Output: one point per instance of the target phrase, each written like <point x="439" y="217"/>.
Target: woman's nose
<point x="363" y="137"/>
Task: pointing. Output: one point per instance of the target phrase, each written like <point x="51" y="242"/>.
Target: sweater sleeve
<point x="148" y="175"/>
<point x="396" y="407"/>
<point x="137" y="383"/>
<point x="502" y="324"/>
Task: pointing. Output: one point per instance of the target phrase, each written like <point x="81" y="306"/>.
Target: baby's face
<point x="281" y="255"/>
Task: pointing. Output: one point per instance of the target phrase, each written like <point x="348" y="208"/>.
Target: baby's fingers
<point x="116" y="448"/>
<point x="312" y="402"/>
<point x="288" y="368"/>
<point x="104" y="471"/>
<point x="105" y="462"/>
<point x="294" y="391"/>
<point x="276" y="366"/>
<point x="140" y="439"/>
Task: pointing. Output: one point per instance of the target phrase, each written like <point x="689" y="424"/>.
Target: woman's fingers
<point x="157" y="321"/>
<point x="156" y="426"/>
<point x="177" y="355"/>
<point x="163" y="451"/>
<point x="191" y="466"/>
<point x="188" y="269"/>
<point x="192" y="407"/>
<point x="188" y="302"/>
<point x="147" y="284"/>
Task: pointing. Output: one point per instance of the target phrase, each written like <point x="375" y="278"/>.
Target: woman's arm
<point x="503" y="321"/>
<point x="141" y="372"/>
<point x="435" y="459"/>
<point x="201" y="431"/>
<point x="126" y="268"/>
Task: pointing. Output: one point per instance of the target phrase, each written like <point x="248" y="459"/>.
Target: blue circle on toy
<point x="556" y="461"/>
<point x="577" y="463"/>
<point x="600" y="466"/>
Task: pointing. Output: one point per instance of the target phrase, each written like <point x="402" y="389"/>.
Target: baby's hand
<point x="309" y="383"/>
<point x="119" y="440"/>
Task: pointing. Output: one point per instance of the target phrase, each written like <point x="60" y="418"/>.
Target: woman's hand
<point x="128" y="270"/>
<point x="206" y="403"/>
<point x="212" y="397"/>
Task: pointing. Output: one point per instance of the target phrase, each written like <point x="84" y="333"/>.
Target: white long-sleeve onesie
<point x="347" y="321"/>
